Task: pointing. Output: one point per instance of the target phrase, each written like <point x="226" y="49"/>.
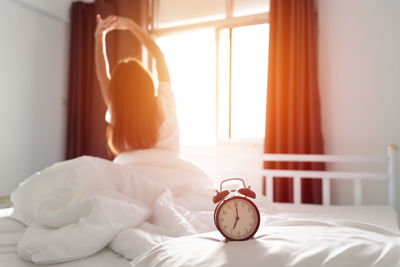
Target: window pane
<point x="223" y="84"/>
<point x="248" y="7"/>
<point x="249" y="81"/>
<point x="178" y="12"/>
<point x="192" y="63"/>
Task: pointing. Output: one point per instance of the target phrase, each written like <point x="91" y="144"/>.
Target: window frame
<point x="229" y="22"/>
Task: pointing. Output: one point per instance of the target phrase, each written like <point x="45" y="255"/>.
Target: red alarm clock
<point x="236" y="216"/>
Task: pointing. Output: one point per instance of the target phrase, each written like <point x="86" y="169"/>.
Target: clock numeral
<point x="238" y="233"/>
<point x="249" y="210"/>
<point x="224" y="212"/>
<point x="225" y="226"/>
<point x="229" y="207"/>
<point x="222" y="219"/>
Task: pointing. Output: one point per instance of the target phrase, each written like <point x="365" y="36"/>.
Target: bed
<point x="290" y="234"/>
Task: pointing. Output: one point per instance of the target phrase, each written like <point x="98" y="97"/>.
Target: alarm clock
<point x="236" y="217"/>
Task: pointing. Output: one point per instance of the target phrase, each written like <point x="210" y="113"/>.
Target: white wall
<point x="33" y="74"/>
<point x="359" y="67"/>
<point x="58" y="9"/>
<point x="228" y="160"/>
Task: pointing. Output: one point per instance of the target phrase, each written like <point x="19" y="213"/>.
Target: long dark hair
<point x="135" y="114"/>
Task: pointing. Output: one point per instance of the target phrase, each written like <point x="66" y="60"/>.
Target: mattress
<point x="11" y="232"/>
<point x="282" y="224"/>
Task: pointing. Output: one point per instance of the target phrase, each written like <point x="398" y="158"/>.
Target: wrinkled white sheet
<point x="156" y="209"/>
<point x="300" y="243"/>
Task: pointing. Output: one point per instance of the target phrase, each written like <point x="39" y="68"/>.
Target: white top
<point x="169" y="131"/>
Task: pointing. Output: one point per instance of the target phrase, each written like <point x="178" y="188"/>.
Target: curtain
<point x="86" y="108"/>
<point x="293" y="120"/>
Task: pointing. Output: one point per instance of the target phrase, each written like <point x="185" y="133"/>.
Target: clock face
<point x="237" y="218"/>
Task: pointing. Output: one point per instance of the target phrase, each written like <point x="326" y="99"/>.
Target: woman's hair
<point x="135" y="115"/>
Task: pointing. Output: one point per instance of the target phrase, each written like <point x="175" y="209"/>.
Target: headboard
<point x="392" y="174"/>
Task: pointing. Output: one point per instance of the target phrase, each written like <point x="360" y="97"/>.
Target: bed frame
<point x="230" y="163"/>
<point x="392" y="174"/>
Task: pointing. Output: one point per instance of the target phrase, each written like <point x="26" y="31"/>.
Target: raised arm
<point x="101" y="60"/>
<point x="151" y="46"/>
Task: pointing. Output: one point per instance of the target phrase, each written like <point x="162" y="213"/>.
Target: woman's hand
<point x="122" y="23"/>
<point x="105" y="25"/>
<point x="112" y="23"/>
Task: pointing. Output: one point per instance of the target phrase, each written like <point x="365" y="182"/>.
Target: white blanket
<point x="75" y="208"/>
<point x="143" y="204"/>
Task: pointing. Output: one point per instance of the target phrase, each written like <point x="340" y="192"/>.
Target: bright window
<point x="243" y="95"/>
<point x="218" y="70"/>
<point x="192" y="62"/>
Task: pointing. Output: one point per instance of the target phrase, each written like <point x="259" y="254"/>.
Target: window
<point x="191" y="59"/>
<point x="242" y="94"/>
<point x="217" y="54"/>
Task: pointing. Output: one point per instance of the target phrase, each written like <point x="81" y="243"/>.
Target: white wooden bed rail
<point x="392" y="174"/>
<point x="230" y="163"/>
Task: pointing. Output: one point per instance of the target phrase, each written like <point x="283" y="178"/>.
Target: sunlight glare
<point x="191" y="59"/>
<point x="249" y="81"/>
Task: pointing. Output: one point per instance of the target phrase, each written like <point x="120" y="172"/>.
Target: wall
<point x="227" y="160"/>
<point x="33" y="74"/>
<point x="359" y="63"/>
<point x="58" y="9"/>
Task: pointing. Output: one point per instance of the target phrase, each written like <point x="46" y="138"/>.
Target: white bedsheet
<point x="153" y="209"/>
<point x="11" y="232"/>
<point x="300" y="243"/>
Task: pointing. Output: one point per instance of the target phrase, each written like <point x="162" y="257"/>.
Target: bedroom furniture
<point x="391" y="175"/>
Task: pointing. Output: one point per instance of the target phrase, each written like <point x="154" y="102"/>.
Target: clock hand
<point x="235" y="224"/>
<point x="237" y="217"/>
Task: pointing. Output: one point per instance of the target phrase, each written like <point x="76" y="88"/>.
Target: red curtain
<point x="86" y="109"/>
<point x="293" y="120"/>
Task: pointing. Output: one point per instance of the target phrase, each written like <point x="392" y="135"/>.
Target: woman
<point x="140" y="118"/>
<point x="143" y="128"/>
